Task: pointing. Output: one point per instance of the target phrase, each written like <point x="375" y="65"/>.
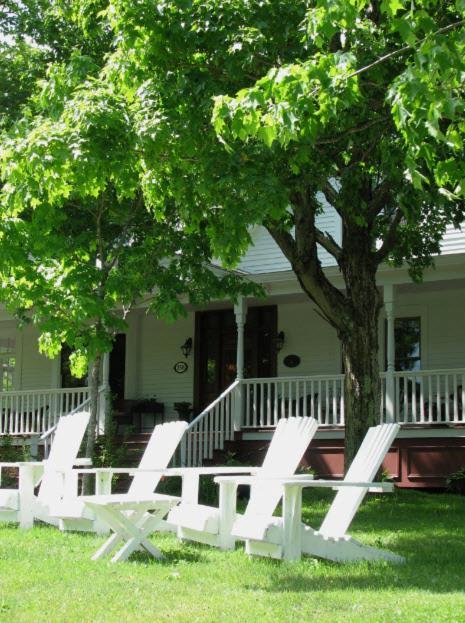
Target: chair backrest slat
<point x="364" y="468"/>
<point x="290" y="440"/>
<point x="68" y="437"/>
<point x="158" y="453"/>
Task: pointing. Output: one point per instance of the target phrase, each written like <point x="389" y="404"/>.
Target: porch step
<point x="136" y="443"/>
<point x="135" y="446"/>
<point x="226" y="455"/>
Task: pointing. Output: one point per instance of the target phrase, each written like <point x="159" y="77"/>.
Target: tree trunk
<point x="362" y="386"/>
<point x="359" y="340"/>
<point x="92" y="429"/>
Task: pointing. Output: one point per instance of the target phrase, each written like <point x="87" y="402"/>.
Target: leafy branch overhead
<point x="79" y="246"/>
<point x="267" y="113"/>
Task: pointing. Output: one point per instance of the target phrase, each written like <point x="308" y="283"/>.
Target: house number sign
<point x="180" y="367"/>
<point x="291" y="361"/>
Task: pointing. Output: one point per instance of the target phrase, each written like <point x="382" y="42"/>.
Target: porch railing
<point x="268" y="400"/>
<point x="48" y="437"/>
<point x="430" y="397"/>
<point x="211" y="428"/>
<point x="33" y="412"/>
<point x="420" y="397"/>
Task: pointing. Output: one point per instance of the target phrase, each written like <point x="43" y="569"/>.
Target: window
<point x="7" y="363"/>
<point x="407" y="336"/>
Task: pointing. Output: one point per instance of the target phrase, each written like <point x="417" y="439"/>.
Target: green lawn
<point x="47" y="576"/>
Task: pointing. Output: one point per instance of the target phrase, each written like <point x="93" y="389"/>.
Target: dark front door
<point x="216" y="345"/>
<point x="117" y="373"/>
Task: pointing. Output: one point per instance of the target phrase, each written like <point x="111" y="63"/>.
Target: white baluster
<point x="456" y="400"/>
<point x="446" y="397"/>
<point x="211" y="429"/>
<point x="415" y="399"/>
<point x="254" y="406"/>
<point x="342" y="419"/>
<point x="430" y="398"/>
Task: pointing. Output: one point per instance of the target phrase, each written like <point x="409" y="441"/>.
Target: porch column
<point x="103" y="402"/>
<point x="390" y="352"/>
<point x="240" y="312"/>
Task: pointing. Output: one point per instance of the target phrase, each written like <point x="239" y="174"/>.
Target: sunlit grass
<point x="48" y="577"/>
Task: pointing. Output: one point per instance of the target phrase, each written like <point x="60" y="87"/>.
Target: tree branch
<point x="302" y="253"/>
<point x="122" y="238"/>
<point x="355" y="130"/>
<point x="390" y="238"/>
<point x="284" y="240"/>
<point x="328" y="243"/>
<point x="330" y="194"/>
<point x="404" y="49"/>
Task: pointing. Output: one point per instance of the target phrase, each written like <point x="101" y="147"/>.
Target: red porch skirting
<point x="412" y="462"/>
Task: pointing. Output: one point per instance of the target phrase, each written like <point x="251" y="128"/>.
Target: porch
<point x="428" y="404"/>
<point x="240" y="369"/>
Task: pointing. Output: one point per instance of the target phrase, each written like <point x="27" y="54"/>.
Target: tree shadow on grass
<point x="324" y="576"/>
<point x="428" y="530"/>
<point x="169" y="557"/>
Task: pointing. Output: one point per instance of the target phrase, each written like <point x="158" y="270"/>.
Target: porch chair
<point x="73" y="513"/>
<point x="21" y="505"/>
<point x="287" y="537"/>
<point x="212" y="526"/>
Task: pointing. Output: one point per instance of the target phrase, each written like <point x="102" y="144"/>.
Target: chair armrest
<point x="191" y="478"/>
<point x="107" y="470"/>
<point x="209" y="471"/>
<point x="308" y="481"/>
<point x="250" y="480"/>
<point x="82" y="462"/>
<point x="20" y="463"/>
<point x="237" y="480"/>
<point x="375" y="487"/>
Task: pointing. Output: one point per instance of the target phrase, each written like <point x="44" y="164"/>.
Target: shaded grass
<point x="47" y="576"/>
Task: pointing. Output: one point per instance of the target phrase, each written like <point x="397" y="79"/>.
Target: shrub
<point x="456" y="482"/>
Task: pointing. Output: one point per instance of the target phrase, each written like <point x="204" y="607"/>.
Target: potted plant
<point x="184" y="410"/>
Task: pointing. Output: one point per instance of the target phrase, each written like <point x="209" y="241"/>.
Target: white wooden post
<point x="240" y="311"/>
<point x="390" y="352"/>
<point x="103" y="399"/>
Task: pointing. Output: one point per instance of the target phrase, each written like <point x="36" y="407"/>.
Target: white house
<point x="265" y="359"/>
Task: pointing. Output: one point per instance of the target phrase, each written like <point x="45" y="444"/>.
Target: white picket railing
<point x="268" y="400"/>
<point x="32" y="412"/>
<point x="430" y="397"/>
<point x="211" y="428"/>
<point x="48" y="436"/>
<point x="420" y="397"/>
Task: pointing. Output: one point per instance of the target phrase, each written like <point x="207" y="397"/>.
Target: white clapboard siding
<point x="36" y="369"/>
<point x="160" y="349"/>
<point x="453" y="241"/>
<point x="264" y="255"/>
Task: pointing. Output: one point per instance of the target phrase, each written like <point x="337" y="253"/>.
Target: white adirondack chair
<point x="212" y="526"/>
<point x="288" y="538"/>
<point x="21" y="505"/>
<point x="74" y="514"/>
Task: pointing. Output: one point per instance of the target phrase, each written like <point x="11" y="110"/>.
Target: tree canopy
<point x="254" y="113"/>
<point x="78" y="246"/>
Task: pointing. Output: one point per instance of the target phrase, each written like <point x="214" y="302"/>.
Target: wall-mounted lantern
<point x="279" y="341"/>
<point x="187" y="347"/>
